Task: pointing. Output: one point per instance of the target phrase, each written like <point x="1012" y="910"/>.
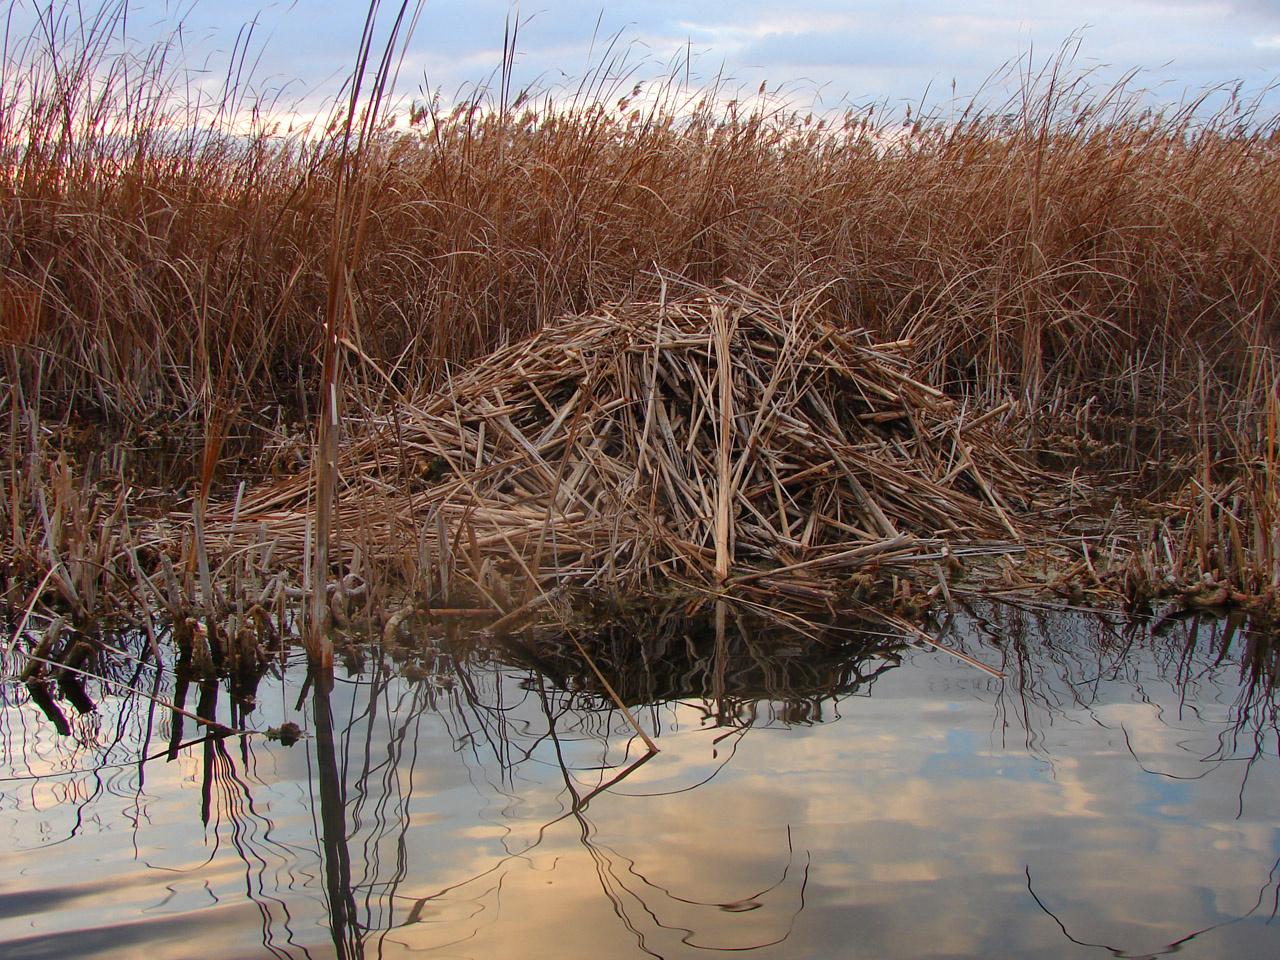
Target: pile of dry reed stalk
<point x="722" y="440"/>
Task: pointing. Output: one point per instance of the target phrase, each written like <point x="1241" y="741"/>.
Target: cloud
<point x="861" y="49"/>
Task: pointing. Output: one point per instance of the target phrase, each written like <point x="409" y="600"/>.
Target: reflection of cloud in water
<point x="907" y="828"/>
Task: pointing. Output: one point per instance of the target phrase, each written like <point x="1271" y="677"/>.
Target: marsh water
<point x="828" y="793"/>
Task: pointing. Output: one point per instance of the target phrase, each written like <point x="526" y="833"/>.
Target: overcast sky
<point x="856" y="51"/>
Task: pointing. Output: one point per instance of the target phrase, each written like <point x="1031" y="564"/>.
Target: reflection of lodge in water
<point x="753" y="671"/>
<point x="739" y="672"/>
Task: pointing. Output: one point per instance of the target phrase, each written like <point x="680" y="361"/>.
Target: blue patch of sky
<point x="855" y="52"/>
<point x="969" y="756"/>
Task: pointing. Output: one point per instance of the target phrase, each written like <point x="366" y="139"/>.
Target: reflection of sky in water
<point x="925" y="821"/>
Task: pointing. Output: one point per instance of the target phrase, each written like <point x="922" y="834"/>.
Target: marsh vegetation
<point x="660" y="392"/>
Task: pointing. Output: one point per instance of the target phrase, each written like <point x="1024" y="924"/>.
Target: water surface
<point x="839" y="796"/>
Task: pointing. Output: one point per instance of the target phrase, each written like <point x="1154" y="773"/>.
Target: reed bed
<point x="163" y="253"/>
<point x="1212" y="539"/>
<point x="640" y="332"/>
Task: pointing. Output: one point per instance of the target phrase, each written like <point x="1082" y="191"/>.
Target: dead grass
<point x="160" y="256"/>
<point x="718" y="439"/>
<point x="167" y="259"/>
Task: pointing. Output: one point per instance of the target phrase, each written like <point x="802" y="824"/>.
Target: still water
<point x="838" y="795"/>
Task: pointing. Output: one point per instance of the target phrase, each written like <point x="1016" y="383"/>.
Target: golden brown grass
<point x="157" y="253"/>
<point x="170" y="260"/>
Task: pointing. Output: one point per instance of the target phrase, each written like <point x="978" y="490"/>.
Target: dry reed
<point x="718" y="439"/>
<point x="157" y="255"/>
<point x="170" y="260"/>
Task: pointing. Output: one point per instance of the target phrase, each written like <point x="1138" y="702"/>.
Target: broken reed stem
<point x="924" y="638"/>
<point x="318" y="641"/>
<point x="26" y="614"/>
<point x="724" y="484"/>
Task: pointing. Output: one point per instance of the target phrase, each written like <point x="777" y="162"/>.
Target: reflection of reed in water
<point x="508" y="724"/>
<point x="539" y="741"/>
<point x="1210" y="682"/>
<point x="754" y="674"/>
<point x="1059" y="662"/>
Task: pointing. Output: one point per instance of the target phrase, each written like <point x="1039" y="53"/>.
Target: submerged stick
<point x="502" y="626"/>
<point x="864" y="552"/>
<point x="613" y="695"/>
<point x="943" y="648"/>
<point x="35" y="596"/>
